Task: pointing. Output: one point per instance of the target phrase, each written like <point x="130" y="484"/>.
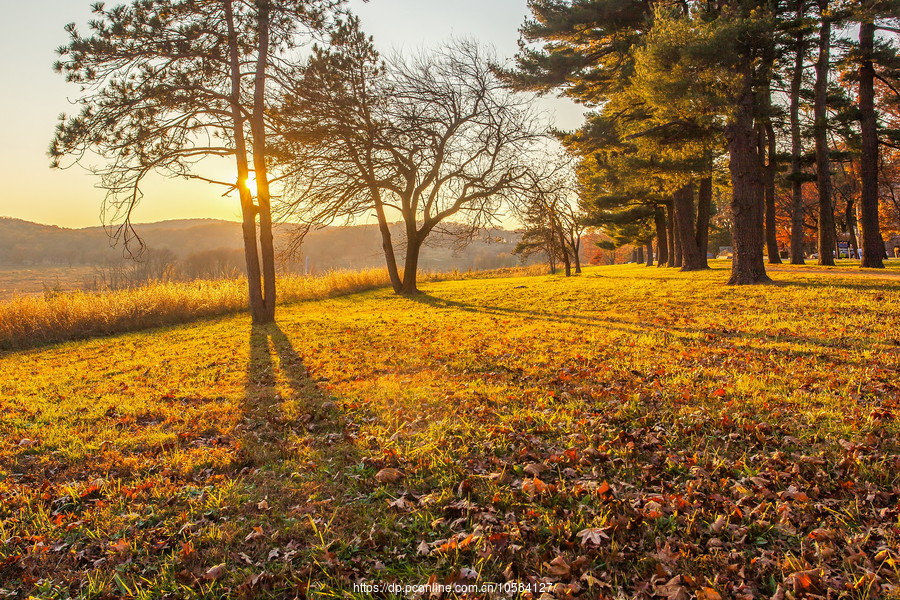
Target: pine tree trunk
<point x="640" y="255"/>
<point x="746" y="180"/>
<point x="827" y="236"/>
<point x="662" y="238"/>
<point x="670" y="236"/>
<point x="704" y="211"/>
<point x="771" y="168"/>
<point x="798" y="256"/>
<point x="263" y="195"/>
<point x="872" y="243"/>
<point x="649" y="251"/>
<point x="685" y="218"/>
<point x="850" y="217"/>
<point x="248" y="209"/>
<point x="674" y="247"/>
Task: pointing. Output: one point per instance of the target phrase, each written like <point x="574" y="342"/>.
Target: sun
<point x="250" y="182"/>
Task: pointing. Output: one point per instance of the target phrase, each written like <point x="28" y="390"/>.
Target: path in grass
<point x="635" y="430"/>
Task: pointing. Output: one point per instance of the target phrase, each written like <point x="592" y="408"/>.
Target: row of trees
<point x="447" y="141"/>
<point x="684" y="90"/>
<point x="436" y="140"/>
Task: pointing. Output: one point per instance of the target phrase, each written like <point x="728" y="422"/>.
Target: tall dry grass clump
<point x="32" y="321"/>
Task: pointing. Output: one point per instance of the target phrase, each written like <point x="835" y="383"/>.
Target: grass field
<point x="630" y="431"/>
<point x="33" y="281"/>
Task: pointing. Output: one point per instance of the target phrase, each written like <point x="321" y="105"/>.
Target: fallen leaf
<point x="673" y="589"/>
<point x="592" y="536"/>
<point x="708" y="593"/>
<point x="718" y="524"/>
<point x="402" y="503"/>
<point x="388" y="475"/>
<point x="215" y="572"/>
<point x="558" y="567"/>
<point x="536" y="469"/>
<point x="533" y="487"/>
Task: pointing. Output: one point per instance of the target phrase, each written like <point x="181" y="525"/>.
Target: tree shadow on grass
<point x="287" y="416"/>
<point x="820" y="347"/>
<point x="298" y="459"/>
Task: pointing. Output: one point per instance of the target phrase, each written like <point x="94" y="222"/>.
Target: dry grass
<point x="27" y="322"/>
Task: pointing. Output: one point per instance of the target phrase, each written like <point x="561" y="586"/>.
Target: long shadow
<point x="297" y="454"/>
<point x="276" y="421"/>
<point x="825" y="345"/>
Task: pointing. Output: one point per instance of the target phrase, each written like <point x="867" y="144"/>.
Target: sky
<point x="32" y="96"/>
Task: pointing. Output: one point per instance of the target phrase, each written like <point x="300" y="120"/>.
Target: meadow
<point x="632" y="431"/>
<point x="33" y="281"/>
<point x="27" y="321"/>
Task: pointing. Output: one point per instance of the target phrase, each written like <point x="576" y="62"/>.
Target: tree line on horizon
<point x="322" y="129"/>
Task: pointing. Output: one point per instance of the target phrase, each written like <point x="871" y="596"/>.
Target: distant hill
<point x="23" y="243"/>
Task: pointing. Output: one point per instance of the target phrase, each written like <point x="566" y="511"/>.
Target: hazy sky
<point x="32" y="96"/>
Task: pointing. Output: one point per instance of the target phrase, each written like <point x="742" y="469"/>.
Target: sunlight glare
<point x="250" y="182"/>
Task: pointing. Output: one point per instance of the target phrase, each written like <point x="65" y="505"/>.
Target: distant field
<point x="33" y="281"/>
<point x="632" y="430"/>
<point x="15" y="281"/>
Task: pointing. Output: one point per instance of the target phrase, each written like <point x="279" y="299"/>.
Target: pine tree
<point x="165" y="83"/>
<point x="870" y="57"/>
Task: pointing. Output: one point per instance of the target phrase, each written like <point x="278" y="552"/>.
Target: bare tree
<point x="554" y="222"/>
<point x="434" y="139"/>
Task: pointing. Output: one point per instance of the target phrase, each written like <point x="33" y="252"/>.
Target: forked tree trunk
<point x="411" y="266"/>
<point x="263" y="195"/>
<point x="576" y="252"/>
<point x="662" y="238"/>
<point x="826" y="242"/>
<point x="872" y="243"/>
<point x="248" y="209"/>
<point x="567" y="262"/>
<point x="746" y="180"/>
<point x="387" y="243"/>
<point x="797" y="232"/>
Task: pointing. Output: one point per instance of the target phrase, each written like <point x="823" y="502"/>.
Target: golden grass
<point x="734" y="441"/>
<point x="31" y="321"/>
